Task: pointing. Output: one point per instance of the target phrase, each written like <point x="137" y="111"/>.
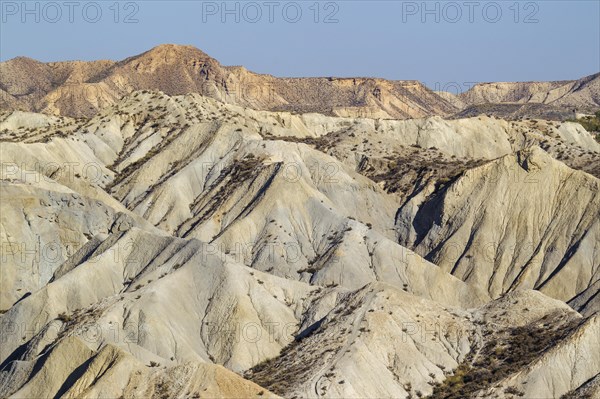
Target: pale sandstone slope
<point x="524" y="220"/>
<point x="137" y="297"/>
<point x="381" y="342"/>
<point x="185" y="188"/>
<point x="70" y="369"/>
<point x="214" y="235"/>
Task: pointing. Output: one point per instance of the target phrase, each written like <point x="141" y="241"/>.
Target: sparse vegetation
<point x="590" y="123"/>
<point x="504" y="353"/>
<point x="64" y="317"/>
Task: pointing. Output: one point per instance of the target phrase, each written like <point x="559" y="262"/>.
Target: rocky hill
<point x="177" y="246"/>
<point x="82" y="88"/>
<point x="549" y="100"/>
<point x="503" y="225"/>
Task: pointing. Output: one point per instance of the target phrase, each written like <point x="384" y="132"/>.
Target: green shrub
<point x="590" y="123"/>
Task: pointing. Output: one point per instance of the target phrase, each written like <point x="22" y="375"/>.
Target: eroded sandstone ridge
<point x="78" y="88"/>
<point x="177" y="246"/>
<point x="82" y="88"/>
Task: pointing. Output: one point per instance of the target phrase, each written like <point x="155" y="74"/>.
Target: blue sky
<point x="440" y="43"/>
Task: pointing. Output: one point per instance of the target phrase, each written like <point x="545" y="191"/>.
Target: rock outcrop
<point x="505" y="225"/>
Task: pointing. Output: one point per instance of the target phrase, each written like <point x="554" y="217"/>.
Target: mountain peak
<point x="21" y="60"/>
<point x="167" y="55"/>
<point x="169" y="51"/>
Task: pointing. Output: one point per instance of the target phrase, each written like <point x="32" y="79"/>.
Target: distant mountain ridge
<point x="581" y="92"/>
<point x="80" y="89"/>
<point x="546" y="100"/>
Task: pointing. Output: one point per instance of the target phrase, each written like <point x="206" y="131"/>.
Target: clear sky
<point x="444" y="44"/>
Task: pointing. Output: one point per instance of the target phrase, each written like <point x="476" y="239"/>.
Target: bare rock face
<point x="42" y="229"/>
<point x="183" y="247"/>
<point x="112" y="372"/>
<point x="503" y="225"/>
<point x="381" y="340"/>
<point x="122" y="222"/>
